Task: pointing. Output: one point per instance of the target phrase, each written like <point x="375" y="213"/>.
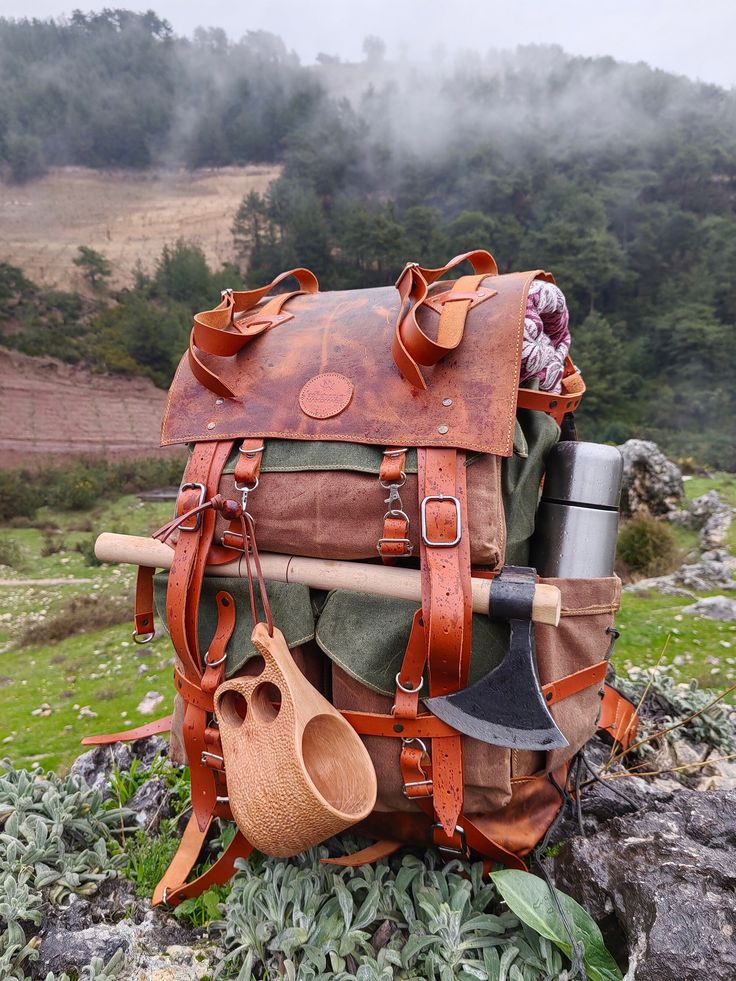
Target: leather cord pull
<point x="411" y="346"/>
<point x="225" y="330"/>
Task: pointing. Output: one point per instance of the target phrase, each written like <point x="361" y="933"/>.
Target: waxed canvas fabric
<point x="291" y="608"/>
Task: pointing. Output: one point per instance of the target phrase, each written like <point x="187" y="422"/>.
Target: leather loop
<point x="143" y="617"/>
<point x="222" y="332"/>
<point x="556" y="405"/>
<point x="618" y="717"/>
<point x="411" y="346"/>
<point x="409" y="679"/>
<point x="248" y="464"/>
<point x="173" y="887"/>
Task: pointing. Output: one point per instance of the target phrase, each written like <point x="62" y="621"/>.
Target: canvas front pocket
<point x="583" y="639"/>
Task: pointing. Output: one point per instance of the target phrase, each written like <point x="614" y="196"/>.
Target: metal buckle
<point x="451" y="849"/>
<point x="458" y="522"/>
<point x="253" y="452"/>
<point x="416" y="783"/>
<point x="197" y="517"/>
<point x="211" y="756"/>
<point x="404" y="271"/>
<point x="396" y="541"/>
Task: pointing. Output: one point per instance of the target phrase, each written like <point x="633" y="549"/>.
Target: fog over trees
<point x="619" y="179"/>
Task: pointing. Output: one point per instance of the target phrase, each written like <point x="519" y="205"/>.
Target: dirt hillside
<point x="51" y="409"/>
<point x="127" y="215"/>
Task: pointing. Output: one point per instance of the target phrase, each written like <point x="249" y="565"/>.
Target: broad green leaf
<point x="529" y="898"/>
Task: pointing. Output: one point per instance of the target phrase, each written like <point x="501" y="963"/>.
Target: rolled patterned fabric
<point x="546" y="336"/>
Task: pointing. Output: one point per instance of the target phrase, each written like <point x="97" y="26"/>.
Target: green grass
<point x="97" y="669"/>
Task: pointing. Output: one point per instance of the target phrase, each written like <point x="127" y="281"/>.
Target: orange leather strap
<point x="201" y="481"/>
<point x="410" y="678"/>
<point x="192" y="692"/>
<point x="223" y="333"/>
<point x="173" y="887"/>
<point x="618" y="717"/>
<point x="130" y="735"/>
<point x="366" y="856"/>
<point x="402" y="726"/>
<point x="411" y="346"/>
<point x="195" y="727"/>
<point x="556" y="405"/>
<point x="143" y="617"/>
<point x="446" y="607"/>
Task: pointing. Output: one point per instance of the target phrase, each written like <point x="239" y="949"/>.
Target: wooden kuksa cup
<point x="297" y="772"/>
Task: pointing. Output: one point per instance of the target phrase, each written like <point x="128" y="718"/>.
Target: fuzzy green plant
<point x="668" y="702"/>
<point x="303" y="920"/>
<point x="57" y="836"/>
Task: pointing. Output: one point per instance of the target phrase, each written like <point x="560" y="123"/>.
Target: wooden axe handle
<point x="362" y="577"/>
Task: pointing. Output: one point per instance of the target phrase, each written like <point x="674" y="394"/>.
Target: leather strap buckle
<point x="193" y="485"/>
<point x="458" y="521"/>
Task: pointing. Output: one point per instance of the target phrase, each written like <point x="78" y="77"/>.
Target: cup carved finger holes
<point x="253" y="667"/>
<point x="265" y="703"/>
<point x="233" y="708"/>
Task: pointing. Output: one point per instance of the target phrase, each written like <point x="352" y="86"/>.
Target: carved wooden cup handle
<point x="297" y="772"/>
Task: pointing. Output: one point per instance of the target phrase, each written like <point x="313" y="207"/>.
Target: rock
<point x="64" y="950"/>
<point x="709" y="515"/>
<point x="151" y="803"/>
<point x="652" y="485"/>
<point x="714" y="570"/>
<point x="663" y="880"/>
<point x="153" y="946"/>
<point x="713" y="607"/>
<point x="96" y="766"/>
<point x="150" y="702"/>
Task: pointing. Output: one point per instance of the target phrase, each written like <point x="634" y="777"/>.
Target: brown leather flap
<point x="470" y="401"/>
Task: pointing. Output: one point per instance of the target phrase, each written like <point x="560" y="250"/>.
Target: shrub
<point x="647" y="547"/>
<point x="10" y="553"/>
<point x="77" y="616"/>
<point x="17" y="497"/>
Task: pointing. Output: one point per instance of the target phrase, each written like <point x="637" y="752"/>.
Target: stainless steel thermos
<point x="577" y="519"/>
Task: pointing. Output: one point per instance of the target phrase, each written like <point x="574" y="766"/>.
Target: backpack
<point x="364" y="438"/>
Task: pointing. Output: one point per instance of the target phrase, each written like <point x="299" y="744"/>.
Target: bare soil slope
<point x="127" y="215"/>
<point x="50" y="410"/>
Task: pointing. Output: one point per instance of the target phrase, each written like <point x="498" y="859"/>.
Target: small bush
<point x="647" y="547"/>
<point x="10" y="553"/>
<point x="77" y="616"/>
<point x="86" y="549"/>
<point x="17" y="498"/>
<point x="53" y="543"/>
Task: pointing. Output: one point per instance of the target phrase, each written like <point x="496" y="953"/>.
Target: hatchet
<point x="506" y="706"/>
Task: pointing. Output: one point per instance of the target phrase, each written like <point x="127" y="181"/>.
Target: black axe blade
<point x="506" y="707"/>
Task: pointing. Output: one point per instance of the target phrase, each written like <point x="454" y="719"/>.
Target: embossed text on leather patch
<point x="326" y="395"/>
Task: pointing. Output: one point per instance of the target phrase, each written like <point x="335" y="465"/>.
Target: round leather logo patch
<point x="326" y="395"/>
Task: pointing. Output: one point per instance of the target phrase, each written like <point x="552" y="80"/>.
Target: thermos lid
<point x="584" y="473"/>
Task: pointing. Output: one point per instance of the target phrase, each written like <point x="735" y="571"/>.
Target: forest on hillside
<point x="618" y="178"/>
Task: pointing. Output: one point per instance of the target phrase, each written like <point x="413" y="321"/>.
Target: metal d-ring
<point x="143" y="638"/>
<point x="213" y="664"/>
<point x="408" y="691"/>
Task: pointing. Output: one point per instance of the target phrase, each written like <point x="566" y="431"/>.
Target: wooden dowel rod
<point x="362" y="577"/>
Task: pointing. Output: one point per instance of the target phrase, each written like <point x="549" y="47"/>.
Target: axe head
<point x="506" y="706"/>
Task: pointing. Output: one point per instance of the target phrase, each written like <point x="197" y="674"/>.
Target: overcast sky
<point x="695" y="39"/>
